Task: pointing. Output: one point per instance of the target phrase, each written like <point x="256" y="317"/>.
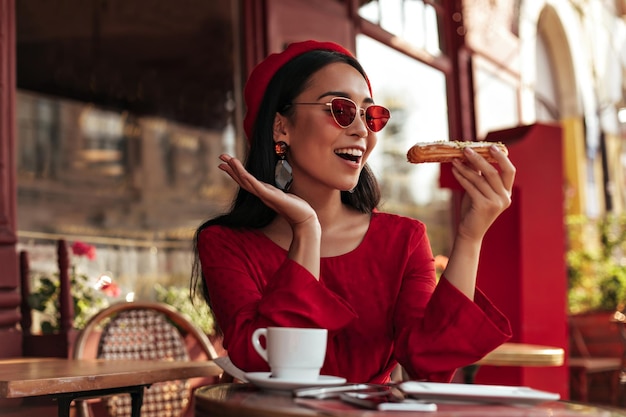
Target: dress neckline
<point x="373" y="216"/>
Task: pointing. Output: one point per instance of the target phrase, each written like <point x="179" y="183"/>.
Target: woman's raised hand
<point x="488" y="190"/>
<point x="291" y="207"/>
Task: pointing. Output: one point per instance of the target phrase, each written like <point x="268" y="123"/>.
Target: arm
<point x="438" y="328"/>
<point x="305" y="226"/>
<point x="251" y="287"/>
<point x="487" y="194"/>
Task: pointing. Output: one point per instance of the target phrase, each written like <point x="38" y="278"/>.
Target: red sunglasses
<point x="344" y="112"/>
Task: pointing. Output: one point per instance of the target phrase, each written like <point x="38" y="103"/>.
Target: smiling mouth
<point x="352" y="155"/>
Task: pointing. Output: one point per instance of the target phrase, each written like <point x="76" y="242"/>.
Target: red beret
<point x="262" y="74"/>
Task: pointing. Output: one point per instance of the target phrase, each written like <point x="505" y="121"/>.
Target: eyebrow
<point x="367" y="100"/>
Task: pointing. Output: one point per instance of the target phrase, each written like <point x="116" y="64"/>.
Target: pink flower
<point x="108" y="287"/>
<point x="111" y="290"/>
<point x="84" y="249"/>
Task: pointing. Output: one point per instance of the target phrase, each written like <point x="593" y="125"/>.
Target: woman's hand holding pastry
<point x="488" y="190"/>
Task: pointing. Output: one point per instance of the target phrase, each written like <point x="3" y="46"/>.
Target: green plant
<point x="89" y="295"/>
<point x="45" y="299"/>
<point x="197" y="310"/>
<point x="596" y="263"/>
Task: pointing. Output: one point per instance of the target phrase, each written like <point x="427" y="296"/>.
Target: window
<point x="415" y="21"/>
<point x="123" y="108"/>
<point x="416" y="94"/>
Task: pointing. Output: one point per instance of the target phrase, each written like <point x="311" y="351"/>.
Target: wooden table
<point x="244" y="400"/>
<point x="70" y="379"/>
<point x="517" y="354"/>
<point x="524" y="354"/>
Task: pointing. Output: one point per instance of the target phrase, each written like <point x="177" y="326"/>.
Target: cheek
<point x="315" y="120"/>
<point x="372" y="140"/>
<point x="316" y="133"/>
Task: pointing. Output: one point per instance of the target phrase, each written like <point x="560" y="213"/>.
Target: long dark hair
<point x="247" y="210"/>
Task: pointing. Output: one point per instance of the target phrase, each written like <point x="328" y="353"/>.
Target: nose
<point x="358" y="124"/>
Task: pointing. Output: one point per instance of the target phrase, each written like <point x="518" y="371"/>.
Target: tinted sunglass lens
<point x="344" y="111"/>
<point x="376" y="117"/>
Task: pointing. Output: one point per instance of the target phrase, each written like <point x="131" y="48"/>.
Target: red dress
<point x="380" y="302"/>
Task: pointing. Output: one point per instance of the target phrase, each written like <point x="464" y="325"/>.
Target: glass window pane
<point x="495" y="98"/>
<point x="122" y="110"/>
<point x="547" y="105"/>
<point x="412" y="20"/>
<point x="416" y="95"/>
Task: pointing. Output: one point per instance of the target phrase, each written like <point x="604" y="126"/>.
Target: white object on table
<point x="226" y="364"/>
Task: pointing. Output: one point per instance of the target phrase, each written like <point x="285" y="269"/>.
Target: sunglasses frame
<point x="359" y="110"/>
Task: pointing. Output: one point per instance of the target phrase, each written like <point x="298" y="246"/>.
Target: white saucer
<point x="265" y="380"/>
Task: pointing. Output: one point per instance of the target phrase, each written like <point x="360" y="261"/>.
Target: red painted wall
<point x="522" y="266"/>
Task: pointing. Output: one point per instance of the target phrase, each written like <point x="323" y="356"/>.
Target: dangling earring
<point x="282" y="173"/>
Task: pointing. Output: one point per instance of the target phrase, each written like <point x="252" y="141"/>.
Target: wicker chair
<point x="143" y="331"/>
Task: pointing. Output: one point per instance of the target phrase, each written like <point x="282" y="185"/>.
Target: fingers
<point x="487" y="185"/>
<point x="498" y="178"/>
<point x="506" y="166"/>
<point x="233" y="167"/>
<point x="294" y="209"/>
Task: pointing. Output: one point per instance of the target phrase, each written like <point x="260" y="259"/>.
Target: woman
<point x="304" y="246"/>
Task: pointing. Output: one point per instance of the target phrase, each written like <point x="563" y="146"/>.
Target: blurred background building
<point x="113" y="113"/>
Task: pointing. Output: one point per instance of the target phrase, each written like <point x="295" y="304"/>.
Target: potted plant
<point x="196" y="310"/>
<point x="596" y="263"/>
<point x="89" y="294"/>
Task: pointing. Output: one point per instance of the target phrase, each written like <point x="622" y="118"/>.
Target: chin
<point x="346" y="184"/>
<point x="349" y="188"/>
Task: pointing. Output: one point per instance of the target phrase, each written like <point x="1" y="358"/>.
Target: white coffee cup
<point x="292" y="353"/>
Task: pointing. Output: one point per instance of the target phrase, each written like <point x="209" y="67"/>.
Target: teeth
<point x="349" y="151"/>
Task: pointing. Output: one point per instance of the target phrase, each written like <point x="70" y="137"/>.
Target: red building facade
<point x="467" y="43"/>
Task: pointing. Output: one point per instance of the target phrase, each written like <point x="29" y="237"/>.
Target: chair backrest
<point x="143" y="331"/>
<point x="595" y="334"/>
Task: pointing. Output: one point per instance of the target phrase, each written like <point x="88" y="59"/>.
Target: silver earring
<point x="282" y="173"/>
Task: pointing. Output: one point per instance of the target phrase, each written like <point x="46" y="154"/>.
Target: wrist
<point x="310" y="227"/>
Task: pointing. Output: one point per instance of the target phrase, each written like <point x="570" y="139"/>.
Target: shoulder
<point x="237" y="248"/>
<point x="214" y="232"/>
<point x="395" y="223"/>
<point x="217" y="236"/>
<point x="401" y="234"/>
<point x="401" y="230"/>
